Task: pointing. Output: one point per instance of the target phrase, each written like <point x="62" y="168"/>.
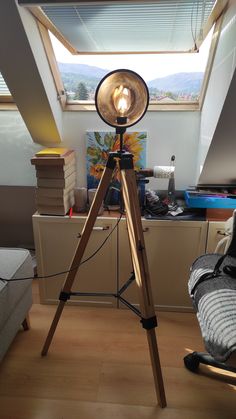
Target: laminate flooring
<point x="98" y="367"/>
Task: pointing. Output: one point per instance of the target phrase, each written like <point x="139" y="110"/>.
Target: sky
<point x="149" y="66"/>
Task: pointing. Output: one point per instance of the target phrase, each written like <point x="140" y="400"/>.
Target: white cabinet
<point x="171" y="247"/>
<point x="56" y="239"/>
<point x="216" y="232"/>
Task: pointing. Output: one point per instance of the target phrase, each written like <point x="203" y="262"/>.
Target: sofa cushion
<point x="14" y="263"/>
<point x="12" y="325"/>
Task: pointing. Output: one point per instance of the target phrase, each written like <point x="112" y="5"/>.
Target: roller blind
<point x="163" y="25"/>
<point x="4" y="91"/>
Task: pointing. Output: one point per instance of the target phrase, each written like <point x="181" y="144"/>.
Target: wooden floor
<point x="98" y="367"/>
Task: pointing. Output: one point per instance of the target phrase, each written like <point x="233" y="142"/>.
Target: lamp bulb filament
<point x="122" y="99"/>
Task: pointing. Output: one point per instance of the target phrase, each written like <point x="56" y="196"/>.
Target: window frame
<point x="7" y="102"/>
<point x="153" y="106"/>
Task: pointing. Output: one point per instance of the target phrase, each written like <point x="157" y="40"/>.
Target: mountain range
<point x="177" y="83"/>
<point x="83" y="70"/>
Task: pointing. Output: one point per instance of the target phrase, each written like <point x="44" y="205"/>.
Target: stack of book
<point x="56" y="178"/>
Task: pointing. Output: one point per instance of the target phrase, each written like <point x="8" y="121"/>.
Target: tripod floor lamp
<point x="121" y="101"/>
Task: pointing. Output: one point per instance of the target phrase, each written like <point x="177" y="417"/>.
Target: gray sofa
<point x="15" y="296"/>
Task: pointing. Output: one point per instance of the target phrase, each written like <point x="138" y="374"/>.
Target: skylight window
<point x="171" y="78"/>
<point x="129" y="26"/>
<point x="162" y="40"/>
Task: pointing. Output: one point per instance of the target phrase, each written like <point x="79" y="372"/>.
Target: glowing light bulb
<point x="122" y="99"/>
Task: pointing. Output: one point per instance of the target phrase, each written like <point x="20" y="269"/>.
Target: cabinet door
<point x="171" y="247"/>
<point x="56" y="239"/>
<point x="216" y="232"/>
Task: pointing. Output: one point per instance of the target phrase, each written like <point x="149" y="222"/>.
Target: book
<point x="52" y="152"/>
<point x="55" y="173"/>
<point x="56" y="167"/>
<point x="57" y="183"/>
<point x="53" y="210"/>
<point x="65" y="200"/>
<point x="54" y="192"/>
<point x="54" y="161"/>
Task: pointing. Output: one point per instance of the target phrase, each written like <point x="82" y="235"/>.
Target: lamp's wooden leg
<point x="156" y="367"/>
<point x="86" y="232"/>
<point x="52" y="328"/>
<point x="137" y="244"/>
<point x="142" y="277"/>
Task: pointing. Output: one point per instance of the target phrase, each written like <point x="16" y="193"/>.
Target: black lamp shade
<point x="134" y="98"/>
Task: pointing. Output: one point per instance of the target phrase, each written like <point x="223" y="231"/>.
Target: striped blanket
<point x="214" y="298"/>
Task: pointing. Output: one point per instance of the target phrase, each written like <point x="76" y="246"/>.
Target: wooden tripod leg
<point x="52" y="328"/>
<point x="86" y="232"/>
<point x="156" y="367"/>
<point x="142" y="277"/>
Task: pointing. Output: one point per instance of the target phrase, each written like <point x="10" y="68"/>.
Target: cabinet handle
<point x="96" y="229"/>
<point x="145" y="229"/>
<point x="101" y="228"/>
<point x="221" y="233"/>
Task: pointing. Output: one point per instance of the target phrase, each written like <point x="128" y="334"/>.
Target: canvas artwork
<point x="100" y="143"/>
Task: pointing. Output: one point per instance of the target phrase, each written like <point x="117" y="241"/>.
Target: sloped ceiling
<point x="29" y="82"/>
<point x="220" y="163"/>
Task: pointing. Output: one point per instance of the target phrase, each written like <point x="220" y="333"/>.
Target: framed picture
<point x="100" y="143"/>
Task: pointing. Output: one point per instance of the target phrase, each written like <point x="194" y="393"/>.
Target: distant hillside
<point x="73" y="74"/>
<point x="83" y="69"/>
<point x="178" y="83"/>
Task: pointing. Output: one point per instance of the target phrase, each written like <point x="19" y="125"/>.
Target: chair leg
<point x="26" y="322"/>
<point x="192" y="361"/>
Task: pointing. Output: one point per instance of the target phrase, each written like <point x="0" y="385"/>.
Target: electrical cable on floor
<point x="69" y="270"/>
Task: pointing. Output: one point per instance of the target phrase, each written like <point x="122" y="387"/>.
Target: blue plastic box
<point x="194" y="200"/>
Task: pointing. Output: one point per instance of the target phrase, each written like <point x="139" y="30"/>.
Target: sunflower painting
<point x="99" y="144"/>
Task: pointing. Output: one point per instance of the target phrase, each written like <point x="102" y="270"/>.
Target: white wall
<point x="41" y="59"/>
<point x="187" y="135"/>
<point x="168" y="133"/>
<point x="26" y="70"/>
<point x="16" y="150"/>
<point x="221" y="75"/>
